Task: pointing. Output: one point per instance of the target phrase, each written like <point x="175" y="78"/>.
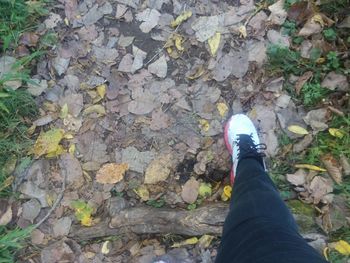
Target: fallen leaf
<point x="111" y="173"/>
<point x="204" y="190"/>
<point x="222" y="108"/>
<point x="99" y="109"/>
<point x="298" y="178"/>
<point x="160" y="120"/>
<point x="62" y="227"/>
<point x="149" y="18"/>
<point x="179" y="41"/>
<point x="214" y="43"/>
<point x="198" y="72"/>
<point x="181" y="18"/>
<point x="333" y="168"/>
<point x="345" y="23"/>
<point x="278" y="13"/>
<point x="342" y="247"/>
<point x="297" y="129"/>
<point x="319" y="188"/>
<point x="189" y="241"/>
<point x="300" y="11"/>
<point x="226" y="194"/>
<point x="101" y="90"/>
<point x="48" y="143"/>
<point x="83" y="212"/>
<point x="29" y="39"/>
<point x="303" y="144"/>
<point x="6" y="212"/>
<point x="142" y="192"/>
<point x="242" y="31"/>
<point x="205" y="27"/>
<point x="105" y="249"/>
<point x="190" y="191"/>
<point x="159" y="169"/>
<point x="64" y="111"/>
<point x="313" y="26"/>
<point x="159" y="67"/>
<point x="345" y="164"/>
<point x="334" y="81"/>
<point x="302" y="80"/>
<point x="204" y="125"/>
<point x="336" y="133"/>
<point x="310" y="167"/>
<point x="205" y="241"/>
<point x="139" y="56"/>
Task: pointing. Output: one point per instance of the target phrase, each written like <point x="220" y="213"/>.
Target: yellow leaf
<point x="197" y="73"/>
<point x="325" y="253"/>
<point x="214" y="43"/>
<point x="105" y="247"/>
<point x="310" y="167"/>
<point x="205" y="241"/>
<point x="64" y="111"/>
<point x="86" y="220"/>
<point x="204" y="125"/>
<point x="226" y="194"/>
<point x="95" y="109"/>
<point x="297" y="129"/>
<point x="342" y="247"/>
<point x="189" y="241"/>
<point x="222" y="108"/>
<point x="142" y="192"/>
<point x="101" y="90"/>
<point x="68" y="136"/>
<point x="71" y="149"/>
<point x="336" y="133"/>
<point x="66" y="21"/>
<point x="242" y="31"/>
<point x="56" y="153"/>
<point x="181" y="18"/>
<point x="111" y="173"/>
<point x="48" y="143"/>
<point x="318" y="18"/>
<point x="83" y="212"/>
<point x="178" y="42"/>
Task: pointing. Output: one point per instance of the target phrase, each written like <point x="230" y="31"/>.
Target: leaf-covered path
<point x="132" y="114"/>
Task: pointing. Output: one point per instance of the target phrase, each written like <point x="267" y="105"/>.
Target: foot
<point x="242" y="141"/>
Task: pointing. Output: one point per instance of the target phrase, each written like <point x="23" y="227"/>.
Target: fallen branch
<point x="208" y="219"/>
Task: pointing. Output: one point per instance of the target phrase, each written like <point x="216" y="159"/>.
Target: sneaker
<point x="242" y="141"/>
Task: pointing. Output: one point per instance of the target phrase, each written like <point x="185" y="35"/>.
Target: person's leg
<point x="259" y="227"/>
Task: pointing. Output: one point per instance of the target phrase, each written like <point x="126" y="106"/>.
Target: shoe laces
<point x="247" y="147"/>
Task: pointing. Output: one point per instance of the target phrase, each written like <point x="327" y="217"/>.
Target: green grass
<point x="17" y="108"/>
<point x="16" y="17"/>
<point x="10" y="242"/>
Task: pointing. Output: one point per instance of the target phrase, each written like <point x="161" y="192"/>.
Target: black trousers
<point x="259" y="227"/>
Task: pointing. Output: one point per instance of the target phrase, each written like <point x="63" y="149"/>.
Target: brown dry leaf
<point x="160" y="120"/>
<point x="301" y="11"/>
<point x="198" y="72"/>
<point x="29" y="39"/>
<point x="333" y="168"/>
<point x="298" y="178"/>
<point x="190" y="191"/>
<point x="111" y="173"/>
<point x="302" y="80"/>
<point x="313" y="26"/>
<point x="345" y="164"/>
<point x="159" y="169"/>
<point x="319" y="187"/>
